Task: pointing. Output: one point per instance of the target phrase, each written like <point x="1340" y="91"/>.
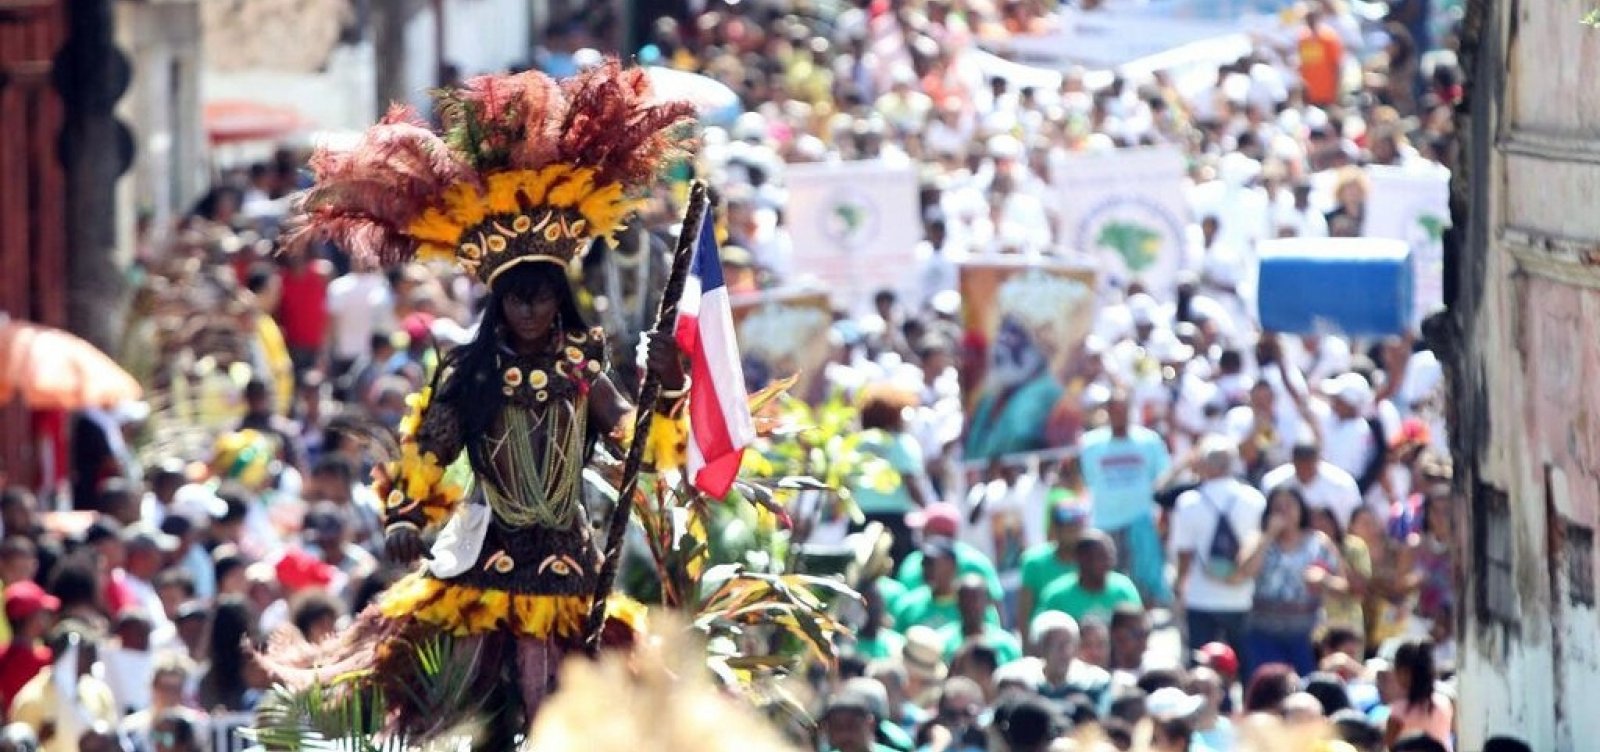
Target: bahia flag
<point x="719" y="410"/>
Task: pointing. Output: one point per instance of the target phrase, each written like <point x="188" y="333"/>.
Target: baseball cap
<point x="1170" y="703"/>
<point x="1219" y="657"/>
<point x="1351" y="389"/>
<point x="299" y="570"/>
<point x="193" y="610"/>
<point x="144" y="537"/>
<point x="847" y="700"/>
<point x="936" y="519"/>
<point x="200" y="503"/>
<point x="26" y="598"/>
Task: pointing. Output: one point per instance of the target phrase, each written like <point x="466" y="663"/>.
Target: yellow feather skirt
<point x="462" y="611"/>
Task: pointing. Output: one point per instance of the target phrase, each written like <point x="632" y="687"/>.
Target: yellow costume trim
<point x="463" y="610"/>
<point x="667" y="446"/>
<point x="417" y="479"/>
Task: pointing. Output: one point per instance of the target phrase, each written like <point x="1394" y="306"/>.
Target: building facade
<point x="33" y="192"/>
<point x="1523" y="336"/>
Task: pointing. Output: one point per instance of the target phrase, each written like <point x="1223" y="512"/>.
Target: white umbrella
<point x="715" y="101"/>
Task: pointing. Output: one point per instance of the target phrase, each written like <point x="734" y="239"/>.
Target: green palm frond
<point x="350" y="713"/>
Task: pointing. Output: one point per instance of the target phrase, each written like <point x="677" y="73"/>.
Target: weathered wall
<point x="1524" y="336"/>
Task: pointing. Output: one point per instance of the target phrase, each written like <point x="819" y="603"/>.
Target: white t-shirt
<point x="1195" y="522"/>
<point x="1241" y="425"/>
<point x="1348" y="444"/>
<point x="1332" y="488"/>
<point x="361" y="304"/>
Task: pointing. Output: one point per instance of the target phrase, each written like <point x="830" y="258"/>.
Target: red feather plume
<point x="365" y="197"/>
<point x="613" y="126"/>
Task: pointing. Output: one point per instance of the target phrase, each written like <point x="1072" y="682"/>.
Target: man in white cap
<point x="1355" y="434"/>
<point x="1172" y="713"/>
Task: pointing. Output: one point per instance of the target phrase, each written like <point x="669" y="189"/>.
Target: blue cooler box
<point x="1360" y="287"/>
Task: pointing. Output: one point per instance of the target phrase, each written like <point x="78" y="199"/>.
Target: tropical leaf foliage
<point x="351" y="713"/>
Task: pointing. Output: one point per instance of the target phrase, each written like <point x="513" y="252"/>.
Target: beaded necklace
<point x="547" y="405"/>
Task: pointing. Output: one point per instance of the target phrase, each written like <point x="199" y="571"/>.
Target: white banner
<point x="1114" y="37"/>
<point x="1124" y="212"/>
<point x="1413" y="204"/>
<point x="855" y="227"/>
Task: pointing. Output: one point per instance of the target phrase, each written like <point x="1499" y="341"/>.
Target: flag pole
<point x="649" y="389"/>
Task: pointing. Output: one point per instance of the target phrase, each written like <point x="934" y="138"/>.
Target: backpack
<point x="1379" y="458"/>
<point x="1222" y="555"/>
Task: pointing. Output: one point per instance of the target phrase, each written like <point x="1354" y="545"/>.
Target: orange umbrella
<point x="234" y="120"/>
<point x="53" y="370"/>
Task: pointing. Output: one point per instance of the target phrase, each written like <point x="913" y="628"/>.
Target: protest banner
<point x="1413" y="205"/>
<point x="855" y="227"/>
<point x="1125" y="213"/>
<point x="784" y="333"/>
<point x="1024" y="326"/>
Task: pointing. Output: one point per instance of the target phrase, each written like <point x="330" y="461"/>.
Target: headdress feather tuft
<point x="522" y="168"/>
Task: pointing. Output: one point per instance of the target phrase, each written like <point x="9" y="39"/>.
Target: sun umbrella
<point x="50" y="369"/>
<point x="233" y="120"/>
<point x="714" y="100"/>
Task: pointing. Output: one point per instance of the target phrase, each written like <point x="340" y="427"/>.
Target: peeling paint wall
<point x="1523" y="338"/>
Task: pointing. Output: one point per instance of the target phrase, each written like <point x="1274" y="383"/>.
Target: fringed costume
<point x="524" y="174"/>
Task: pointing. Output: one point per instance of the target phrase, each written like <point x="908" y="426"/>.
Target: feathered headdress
<point x="524" y="169"/>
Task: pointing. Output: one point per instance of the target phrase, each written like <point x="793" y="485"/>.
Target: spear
<point x="649" y="390"/>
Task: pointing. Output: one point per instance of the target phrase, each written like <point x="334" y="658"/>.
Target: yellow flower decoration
<point x="538" y="379"/>
<point x="574" y="354"/>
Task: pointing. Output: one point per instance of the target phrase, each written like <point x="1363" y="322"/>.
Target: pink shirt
<point x="1436" y="721"/>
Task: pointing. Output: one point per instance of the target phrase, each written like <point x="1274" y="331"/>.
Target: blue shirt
<point x="1121" y="474"/>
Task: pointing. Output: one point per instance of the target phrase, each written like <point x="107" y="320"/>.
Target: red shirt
<point x="303" y="311"/>
<point x="119" y="597"/>
<point x="18" y="665"/>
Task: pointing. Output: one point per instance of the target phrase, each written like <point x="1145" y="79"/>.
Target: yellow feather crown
<point x="547" y="215"/>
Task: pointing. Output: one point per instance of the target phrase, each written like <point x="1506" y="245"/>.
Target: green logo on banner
<point x="1137" y="244"/>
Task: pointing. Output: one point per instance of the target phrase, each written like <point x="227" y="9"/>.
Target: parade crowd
<point x="1218" y="525"/>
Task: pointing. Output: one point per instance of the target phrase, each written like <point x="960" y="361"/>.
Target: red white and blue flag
<point x="720" y="426"/>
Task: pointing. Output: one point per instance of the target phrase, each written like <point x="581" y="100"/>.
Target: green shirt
<point x="1006" y="645"/>
<point x="1072" y="599"/>
<point x="969" y="560"/>
<point x="900" y="450"/>
<point x="886" y="644"/>
<point x="891" y="590"/>
<point x="920" y="608"/>
<point x="1041" y="569"/>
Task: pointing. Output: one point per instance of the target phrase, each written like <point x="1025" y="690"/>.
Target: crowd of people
<point x="1237" y="525"/>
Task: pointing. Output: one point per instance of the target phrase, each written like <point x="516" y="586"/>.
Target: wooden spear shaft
<point x="649" y="390"/>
